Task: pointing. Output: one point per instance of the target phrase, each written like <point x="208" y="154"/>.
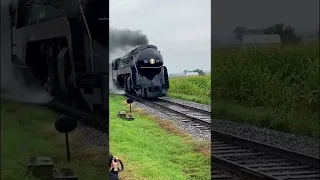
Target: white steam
<point x="12" y="86"/>
<point x="112" y="55"/>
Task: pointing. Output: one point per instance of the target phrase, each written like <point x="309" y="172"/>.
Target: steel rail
<point x="187" y="107"/>
<point x="156" y="103"/>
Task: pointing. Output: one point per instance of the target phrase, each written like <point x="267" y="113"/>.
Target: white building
<point x="261" y="39"/>
<point x="191" y="74"/>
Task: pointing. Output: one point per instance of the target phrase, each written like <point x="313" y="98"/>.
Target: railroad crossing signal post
<point x="130" y="101"/>
<point x="65" y="125"/>
<point x="124" y="115"/>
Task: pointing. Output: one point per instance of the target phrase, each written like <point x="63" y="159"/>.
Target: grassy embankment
<point x="29" y="131"/>
<point x="192" y="88"/>
<point x="154" y="149"/>
<point x="270" y="87"/>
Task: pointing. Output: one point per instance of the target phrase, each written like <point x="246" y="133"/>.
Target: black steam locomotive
<point x="141" y="72"/>
<point x="64" y="45"/>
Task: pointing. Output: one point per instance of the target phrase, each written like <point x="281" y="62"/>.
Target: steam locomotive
<point x="141" y="72"/>
<point x="63" y="44"/>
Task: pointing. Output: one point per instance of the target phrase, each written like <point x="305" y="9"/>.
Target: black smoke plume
<point x="125" y="38"/>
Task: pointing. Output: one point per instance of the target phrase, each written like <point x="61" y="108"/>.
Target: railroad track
<point x="261" y="161"/>
<point x="202" y="118"/>
<point x="218" y="173"/>
<point x="245" y="157"/>
<point x="207" y="112"/>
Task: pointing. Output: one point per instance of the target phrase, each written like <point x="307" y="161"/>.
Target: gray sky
<point x="227" y="14"/>
<point x="181" y="29"/>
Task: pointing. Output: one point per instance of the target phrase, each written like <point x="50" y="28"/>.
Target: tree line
<point x="287" y="33"/>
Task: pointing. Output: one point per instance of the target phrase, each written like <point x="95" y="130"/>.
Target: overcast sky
<point x="227" y="14"/>
<point x="181" y="29"/>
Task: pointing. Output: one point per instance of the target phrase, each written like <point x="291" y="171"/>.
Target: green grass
<point x="275" y="87"/>
<point x="192" y="88"/>
<point x="28" y="131"/>
<point x="150" y="151"/>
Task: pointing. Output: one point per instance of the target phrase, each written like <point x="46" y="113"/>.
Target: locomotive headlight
<point x="152" y="61"/>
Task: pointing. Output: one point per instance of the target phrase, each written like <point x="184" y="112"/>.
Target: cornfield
<point x="197" y="88"/>
<point x="285" y="79"/>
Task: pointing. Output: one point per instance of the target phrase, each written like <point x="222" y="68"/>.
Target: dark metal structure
<point x="141" y="72"/>
<point x="63" y="44"/>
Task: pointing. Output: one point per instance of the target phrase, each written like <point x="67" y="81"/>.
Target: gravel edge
<point x="293" y="142"/>
<point x="176" y="120"/>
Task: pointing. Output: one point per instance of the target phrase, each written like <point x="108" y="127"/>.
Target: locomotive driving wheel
<point x="55" y="83"/>
<point x="48" y="86"/>
<point x="50" y="82"/>
<point x="128" y="85"/>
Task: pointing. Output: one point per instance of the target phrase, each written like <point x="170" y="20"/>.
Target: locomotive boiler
<point x="141" y="72"/>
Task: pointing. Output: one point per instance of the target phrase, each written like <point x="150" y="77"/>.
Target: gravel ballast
<point x="187" y="127"/>
<point x="293" y="142"/>
<point x="91" y="137"/>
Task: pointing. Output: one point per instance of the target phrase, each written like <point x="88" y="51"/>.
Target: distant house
<point x="225" y="42"/>
<point x="261" y="39"/>
<point x="254" y="31"/>
<point x="310" y="39"/>
<point x="191" y="74"/>
<point x="177" y="75"/>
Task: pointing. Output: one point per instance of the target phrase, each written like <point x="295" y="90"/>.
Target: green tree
<point x="239" y="31"/>
<point x="286" y="34"/>
<point x="199" y="71"/>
